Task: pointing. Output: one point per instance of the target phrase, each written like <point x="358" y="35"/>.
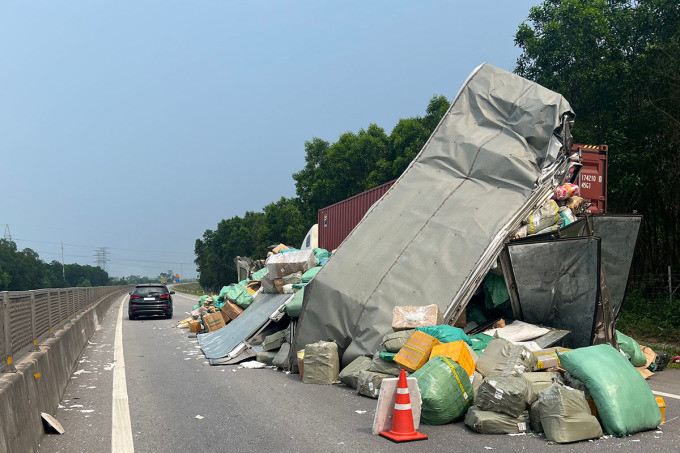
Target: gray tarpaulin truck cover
<point x="421" y="242"/>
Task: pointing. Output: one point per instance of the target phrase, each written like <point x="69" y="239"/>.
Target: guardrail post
<point x="33" y="329"/>
<point x="49" y="312"/>
<point x="8" y="336"/>
<point x="61" y="324"/>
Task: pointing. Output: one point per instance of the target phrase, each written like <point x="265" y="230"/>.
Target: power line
<point x="102" y="255"/>
<point x="110" y="248"/>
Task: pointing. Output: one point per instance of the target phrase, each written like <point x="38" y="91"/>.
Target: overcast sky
<point x="138" y="125"/>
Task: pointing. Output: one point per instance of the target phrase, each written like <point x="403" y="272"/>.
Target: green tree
<point x="617" y="62"/>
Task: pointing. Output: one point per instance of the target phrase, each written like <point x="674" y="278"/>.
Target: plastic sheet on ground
<point x="220" y="343"/>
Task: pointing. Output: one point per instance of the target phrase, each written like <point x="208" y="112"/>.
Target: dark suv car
<point x="150" y="299"/>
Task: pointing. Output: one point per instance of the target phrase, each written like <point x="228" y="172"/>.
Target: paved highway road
<point x="179" y="403"/>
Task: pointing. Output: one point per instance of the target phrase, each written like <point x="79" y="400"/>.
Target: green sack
<point x="369" y="383"/>
<point x="632" y="349"/>
<point x="445" y="389"/>
<point x="495" y="291"/>
<point x="565" y="415"/>
<point x="259" y="274"/>
<point x="507" y="395"/>
<point x="490" y="422"/>
<point x="223" y="293"/>
<point x="294" y="307"/>
<point x="503" y="358"/>
<point x="243" y="282"/>
<point x="239" y="295"/>
<point x="625" y="403"/>
<point x="393" y="342"/>
<point x="266" y="357"/>
<point x="321" y="254"/>
<point x="445" y="333"/>
<point x="479" y="342"/>
<point x="310" y="274"/>
<point x="381" y="366"/>
<point x="350" y="374"/>
<point x="387" y="356"/>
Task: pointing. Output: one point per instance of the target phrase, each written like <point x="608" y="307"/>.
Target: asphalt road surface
<point x="179" y="403"/>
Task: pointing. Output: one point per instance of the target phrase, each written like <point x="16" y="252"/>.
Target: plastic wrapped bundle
<point x="266" y="357"/>
<point x="490" y="422"/>
<point x="281" y="358"/>
<point x="625" y="403"/>
<point x="503" y="358"/>
<point x="445" y="389"/>
<point x="407" y="317"/>
<point x="507" y="395"/>
<point x="379" y="365"/>
<point x="350" y="374"/>
<point x="321" y="362"/>
<point x="567" y="191"/>
<point x="539" y="381"/>
<point x="565" y="415"/>
<point x="548" y="215"/>
<point x="535" y="417"/>
<point x="369" y="383"/>
<point x="282" y="264"/>
<point x="393" y="342"/>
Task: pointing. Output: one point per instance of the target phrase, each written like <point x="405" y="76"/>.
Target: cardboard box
<point x="416" y="352"/>
<point x="231" y="310"/>
<point x="195" y="326"/>
<point x="408" y="317"/>
<point x="459" y="352"/>
<point x="213" y="321"/>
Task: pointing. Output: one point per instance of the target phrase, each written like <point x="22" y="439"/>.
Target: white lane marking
<point x="121" y="427"/>
<point x="669" y="395"/>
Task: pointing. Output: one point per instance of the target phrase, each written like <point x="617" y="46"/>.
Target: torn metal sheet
<point x="495" y="156"/>
<point x="558" y="285"/>
<point x="619" y="235"/>
<point x="221" y="343"/>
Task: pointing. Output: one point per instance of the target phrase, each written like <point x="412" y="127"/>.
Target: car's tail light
<point x="133" y="297"/>
<point x="165" y="296"/>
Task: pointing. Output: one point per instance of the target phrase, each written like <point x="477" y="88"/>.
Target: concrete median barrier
<point x="41" y="379"/>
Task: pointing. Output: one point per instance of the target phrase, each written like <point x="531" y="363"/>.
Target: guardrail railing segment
<point x="29" y="317"/>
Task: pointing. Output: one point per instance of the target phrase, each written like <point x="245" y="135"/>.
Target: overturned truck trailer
<point x="496" y="156"/>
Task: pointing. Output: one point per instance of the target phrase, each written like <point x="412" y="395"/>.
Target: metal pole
<point x="670" y="284"/>
<point x="8" y="336"/>
<point x="35" y="337"/>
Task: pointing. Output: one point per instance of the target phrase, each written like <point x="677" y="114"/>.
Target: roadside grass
<point x="653" y="322"/>
<point x="189" y="288"/>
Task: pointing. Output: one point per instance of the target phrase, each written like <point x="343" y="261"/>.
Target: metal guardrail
<point x="29" y="317"/>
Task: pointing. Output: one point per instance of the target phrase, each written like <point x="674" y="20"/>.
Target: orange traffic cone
<point x="402" y="418"/>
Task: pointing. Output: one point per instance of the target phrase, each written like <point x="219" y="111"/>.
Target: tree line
<point x="22" y="270"/>
<point x="618" y="64"/>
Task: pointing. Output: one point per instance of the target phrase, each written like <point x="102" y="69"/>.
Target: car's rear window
<point x="150" y="290"/>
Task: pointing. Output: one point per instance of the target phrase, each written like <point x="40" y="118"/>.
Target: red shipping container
<point x="593" y="180"/>
<point x="338" y="220"/>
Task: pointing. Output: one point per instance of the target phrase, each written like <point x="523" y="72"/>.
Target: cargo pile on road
<point x="479" y="273"/>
